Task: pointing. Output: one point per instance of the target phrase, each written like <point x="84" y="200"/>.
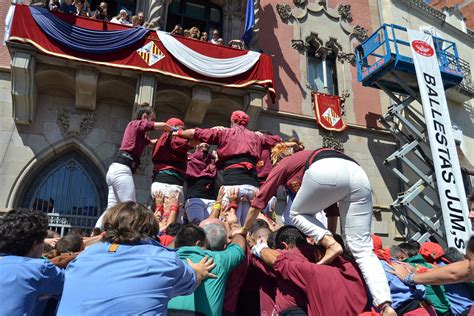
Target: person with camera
<point x="101" y="13"/>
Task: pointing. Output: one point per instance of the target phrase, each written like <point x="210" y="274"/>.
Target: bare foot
<point x="389" y="311"/>
<point x="333" y="249"/>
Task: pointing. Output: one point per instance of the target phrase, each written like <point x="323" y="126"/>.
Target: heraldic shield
<point x="328" y="112"/>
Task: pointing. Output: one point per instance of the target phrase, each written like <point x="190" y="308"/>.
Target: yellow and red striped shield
<point x="328" y="111"/>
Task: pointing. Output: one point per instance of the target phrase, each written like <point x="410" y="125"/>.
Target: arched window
<point x="70" y="190"/>
<point x="205" y="15"/>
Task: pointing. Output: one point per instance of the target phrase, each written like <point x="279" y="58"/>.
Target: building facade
<point x="62" y="121"/>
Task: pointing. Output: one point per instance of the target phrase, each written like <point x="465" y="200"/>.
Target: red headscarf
<point x="380" y="252"/>
<point x="431" y="251"/>
<point x="240" y="117"/>
<point x="175" y="122"/>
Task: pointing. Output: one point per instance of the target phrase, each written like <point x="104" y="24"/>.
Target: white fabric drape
<point x="205" y="65"/>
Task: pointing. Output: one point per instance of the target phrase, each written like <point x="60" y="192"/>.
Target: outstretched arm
<point x="456" y="272"/>
<point x="187" y="133"/>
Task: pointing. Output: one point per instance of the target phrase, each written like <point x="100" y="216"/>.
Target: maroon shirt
<point x="336" y="289"/>
<point x="170" y="152"/>
<point x="135" y="139"/>
<point x="201" y="164"/>
<point x="285" y="294"/>
<point x="289" y="172"/>
<point x="233" y="141"/>
<point x="264" y="164"/>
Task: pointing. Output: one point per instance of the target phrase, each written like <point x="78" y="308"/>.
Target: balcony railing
<point x="466" y="83"/>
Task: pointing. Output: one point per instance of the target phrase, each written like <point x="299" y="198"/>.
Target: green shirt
<point x="434" y="293"/>
<point x="209" y="296"/>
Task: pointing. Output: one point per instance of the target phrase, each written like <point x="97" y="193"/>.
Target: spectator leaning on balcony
<point x="204" y="37"/>
<point x="178" y="30"/>
<point x="25" y="278"/>
<point x="102" y="12"/>
<point x="80" y="9"/>
<point x="121" y="18"/>
<point x="215" y="37"/>
<point x="141" y="18"/>
<point x="195" y="33"/>
<point x="68" y="7"/>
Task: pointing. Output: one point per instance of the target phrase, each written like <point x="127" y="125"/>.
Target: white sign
<point x="443" y="148"/>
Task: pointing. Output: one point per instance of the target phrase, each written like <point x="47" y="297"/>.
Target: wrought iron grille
<point x="70" y="190"/>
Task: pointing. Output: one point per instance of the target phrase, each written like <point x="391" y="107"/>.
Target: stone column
<point x="202" y="97"/>
<point x="24" y="91"/>
<point x="86" y="87"/>
<point x="157" y="13"/>
<point x="146" y="90"/>
<point x="253" y="104"/>
<point x="233" y="14"/>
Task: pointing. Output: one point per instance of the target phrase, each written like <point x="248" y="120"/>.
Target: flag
<point x="328" y="112"/>
<point x="249" y="22"/>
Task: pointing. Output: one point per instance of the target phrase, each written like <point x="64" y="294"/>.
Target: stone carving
<point x="298" y="45"/>
<point x="346" y="57"/>
<point x="344" y="96"/>
<point x="284" y="11"/>
<point x="74" y="123"/>
<point x="345" y="11"/>
<point x="63" y="122"/>
<point x="314" y="41"/>
<point x="360" y="33"/>
<point x="330" y="140"/>
<point x="157" y="13"/>
<point x="300" y="3"/>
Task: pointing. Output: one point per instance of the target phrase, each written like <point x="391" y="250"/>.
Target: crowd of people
<point x="210" y="245"/>
<point x="83" y="8"/>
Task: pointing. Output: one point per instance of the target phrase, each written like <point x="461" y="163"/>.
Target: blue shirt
<point x="134" y="280"/>
<point x="459" y="296"/>
<point x="400" y="292"/>
<point x="23" y="281"/>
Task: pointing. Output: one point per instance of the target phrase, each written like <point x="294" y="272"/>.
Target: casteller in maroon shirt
<point x="264" y="164"/>
<point x="135" y="139"/>
<point x="170" y="152"/>
<point x="335" y="289"/>
<point x="289" y="172"/>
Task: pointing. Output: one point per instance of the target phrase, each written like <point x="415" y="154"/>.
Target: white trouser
<point x="198" y="209"/>
<point x="119" y="179"/>
<point x="270" y="205"/>
<point x="332" y="180"/>
<point x="320" y="216"/>
<point x="246" y="194"/>
<point x="166" y="189"/>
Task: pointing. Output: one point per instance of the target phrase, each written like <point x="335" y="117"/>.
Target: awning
<point x="464" y="162"/>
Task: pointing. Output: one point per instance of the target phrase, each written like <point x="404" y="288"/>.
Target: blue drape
<point x="82" y="39"/>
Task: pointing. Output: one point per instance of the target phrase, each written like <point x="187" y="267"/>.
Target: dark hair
<point x="453" y="255"/>
<point x="470" y="245"/>
<point x="96" y="231"/>
<point x="128" y="223"/>
<point x="189" y="235"/>
<point x="21" y="229"/>
<point x="409" y="248"/>
<point x="173" y="229"/>
<point x="470" y="200"/>
<point x="271" y="240"/>
<point x="78" y="231"/>
<point x="291" y="235"/>
<point x="259" y="223"/>
<point x="52" y="234"/>
<point x="69" y="243"/>
<point x="143" y="108"/>
<point x="415" y="244"/>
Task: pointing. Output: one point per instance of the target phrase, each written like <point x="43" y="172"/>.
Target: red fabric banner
<point x="25" y="30"/>
<point x="328" y="111"/>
